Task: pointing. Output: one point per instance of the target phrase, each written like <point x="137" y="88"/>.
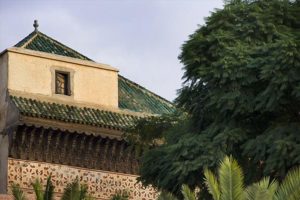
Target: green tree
<point x="242" y="93"/>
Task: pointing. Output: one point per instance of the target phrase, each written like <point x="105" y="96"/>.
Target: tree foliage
<point x="242" y="93"/>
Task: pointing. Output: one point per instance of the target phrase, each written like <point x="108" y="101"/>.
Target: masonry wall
<point x="101" y="184"/>
<point x="3" y="88"/>
<point x="33" y="74"/>
<point x="3" y="136"/>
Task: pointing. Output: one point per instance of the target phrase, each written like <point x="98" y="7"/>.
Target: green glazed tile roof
<point x="136" y="98"/>
<point x="38" y="41"/>
<point x="73" y="114"/>
<point x="131" y="95"/>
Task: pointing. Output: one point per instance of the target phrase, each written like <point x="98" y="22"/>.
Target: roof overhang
<point x="71" y="127"/>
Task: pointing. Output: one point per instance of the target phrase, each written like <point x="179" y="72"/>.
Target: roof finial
<point x="35" y="25"/>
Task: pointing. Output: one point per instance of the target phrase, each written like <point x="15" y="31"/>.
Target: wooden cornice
<point x="71" y="127"/>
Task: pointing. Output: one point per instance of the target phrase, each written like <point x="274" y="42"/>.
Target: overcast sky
<point x="142" y="38"/>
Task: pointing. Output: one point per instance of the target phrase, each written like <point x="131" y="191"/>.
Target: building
<point x="64" y="114"/>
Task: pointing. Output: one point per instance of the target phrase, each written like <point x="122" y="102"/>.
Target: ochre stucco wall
<point x="32" y="74"/>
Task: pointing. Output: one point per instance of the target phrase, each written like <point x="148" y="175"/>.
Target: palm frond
<point x="187" y="193"/>
<point x="264" y="189"/>
<point x="120" y="195"/>
<point x="290" y="187"/>
<point x="72" y="191"/>
<point x="38" y="189"/>
<point x="212" y="184"/>
<point x="231" y="180"/>
<point x="17" y="192"/>
<point x="166" y="196"/>
<point x="49" y="190"/>
<point x="76" y="191"/>
<point x="89" y="197"/>
<point x="83" y="192"/>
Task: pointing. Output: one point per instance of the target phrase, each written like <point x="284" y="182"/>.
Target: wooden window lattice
<point x="62" y="83"/>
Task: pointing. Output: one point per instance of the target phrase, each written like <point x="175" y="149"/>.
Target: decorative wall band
<point x="101" y="184"/>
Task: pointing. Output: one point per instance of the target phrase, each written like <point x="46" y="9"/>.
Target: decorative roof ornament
<point x="35" y="25"/>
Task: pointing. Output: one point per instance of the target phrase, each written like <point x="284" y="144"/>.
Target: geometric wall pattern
<point x="101" y="184"/>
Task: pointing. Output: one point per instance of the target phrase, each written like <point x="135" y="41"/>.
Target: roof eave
<point x="108" y="132"/>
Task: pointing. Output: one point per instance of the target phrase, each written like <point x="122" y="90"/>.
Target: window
<point x="62" y="83"/>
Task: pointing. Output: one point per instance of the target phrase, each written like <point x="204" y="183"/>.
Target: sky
<point x="142" y="38"/>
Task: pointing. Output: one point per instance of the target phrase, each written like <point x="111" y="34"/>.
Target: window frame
<point x="67" y="91"/>
<point x="70" y="72"/>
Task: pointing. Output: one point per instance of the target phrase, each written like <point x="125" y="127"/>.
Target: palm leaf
<point x="83" y="192"/>
<point x="120" y="195"/>
<point x="72" y="191"/>
<point x="17" y="192"/>
<point x="231" y="180"/>
<point x="290" y="187"/>
<point x="187" y="193"/>
<point x="38" y="189"/>
<point x="89" y="197"/>
<point x="76" y="191"/>
<point x="166" y="196"/>
<point x="49" y="190"/>
<point x="212" y="184"/>
<point x="264" y="189"/>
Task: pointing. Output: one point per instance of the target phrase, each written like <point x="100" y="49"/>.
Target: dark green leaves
<point x="242" y="77"/>
<point x="242" y="91"/>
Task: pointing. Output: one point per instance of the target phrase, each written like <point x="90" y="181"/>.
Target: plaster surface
<point x="3" y="89"/>
<point x="8" y="120"/>
<point x="33" y="74"/>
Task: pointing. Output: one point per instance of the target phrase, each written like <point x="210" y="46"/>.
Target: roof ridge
<point x="24" y="40"/>
<point x="63" y="46"/>
<point x="29" y="38"/>
<point x="28" y="41"/>
<point x="147" y="90"/>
